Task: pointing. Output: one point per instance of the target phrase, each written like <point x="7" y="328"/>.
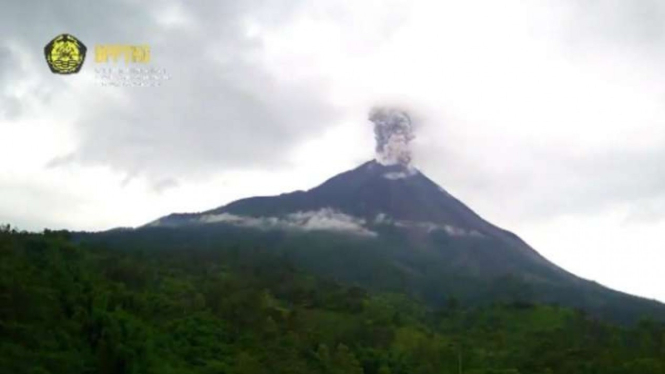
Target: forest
<point x="76" y="307"/>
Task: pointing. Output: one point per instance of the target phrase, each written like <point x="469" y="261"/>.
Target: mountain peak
<point x="389" y="170"/>
<point x="371" y="193"/>
<point x="373" y="189"/>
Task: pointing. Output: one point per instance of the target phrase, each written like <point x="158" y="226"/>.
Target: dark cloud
<point x="221" y="108"/>
<point x="201" y="121"/>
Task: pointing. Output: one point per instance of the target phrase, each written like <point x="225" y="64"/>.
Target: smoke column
<point x="393" y="131"/>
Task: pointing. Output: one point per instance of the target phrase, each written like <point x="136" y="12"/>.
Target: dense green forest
<point x="83" y="308"/>
<point x="431" y="268"/>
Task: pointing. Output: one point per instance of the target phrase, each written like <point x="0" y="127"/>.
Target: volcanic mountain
<point x="391" y="227"/>
<point x="369" y="198"/>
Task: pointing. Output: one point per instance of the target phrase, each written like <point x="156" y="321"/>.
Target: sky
<point x="546" y="117"/>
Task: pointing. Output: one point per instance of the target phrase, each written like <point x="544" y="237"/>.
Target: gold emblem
<point x="65" y="54"/>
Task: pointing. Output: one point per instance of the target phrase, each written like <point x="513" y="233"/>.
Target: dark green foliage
<point x="67" y="308"/>
<point x="431" y="268"/>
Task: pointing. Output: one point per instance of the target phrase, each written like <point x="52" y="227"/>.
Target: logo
<point x="65" y="54"/>
<point x="127" y="65"/>
<point x="130" y="53"/>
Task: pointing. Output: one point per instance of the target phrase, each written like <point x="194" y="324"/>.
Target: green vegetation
<point x="430" y="268"/>
<point x="83" y="308"/>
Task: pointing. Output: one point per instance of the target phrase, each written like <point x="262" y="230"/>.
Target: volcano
<point x="371" y="197"/>
<point x="391" y="227"/>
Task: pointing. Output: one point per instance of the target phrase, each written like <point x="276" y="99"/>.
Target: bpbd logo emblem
<point x="65" y="54"/>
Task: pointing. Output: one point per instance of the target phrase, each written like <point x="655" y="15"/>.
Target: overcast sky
<point x="547" y="118"/>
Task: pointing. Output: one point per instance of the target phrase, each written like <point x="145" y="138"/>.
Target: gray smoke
<point x="393" y="131"/>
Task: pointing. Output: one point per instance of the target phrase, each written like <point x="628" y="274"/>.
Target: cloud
<point x="10" y="105"/>
<point x="632" y="24"/>
<point x="384" y="219"/>
<point x="165" y="184"/>
<point x="325" y="219"/>
<point x="222" y="109"/>
<point x="393" y="175"/>
<point x="252" y="81"/>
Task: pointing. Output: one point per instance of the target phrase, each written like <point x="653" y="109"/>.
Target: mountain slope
<point x="392" y="227"/>
<point x="378" y="195"/>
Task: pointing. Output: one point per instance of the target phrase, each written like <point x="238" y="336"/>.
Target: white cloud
<point x="325" y="219"/>
<point x="395" y="175"/>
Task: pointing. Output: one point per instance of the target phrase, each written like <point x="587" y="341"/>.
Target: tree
<point x="323" y="356"/>
<point x="384" y="369"/>
<point x="345" y="362"/>
<point x="248" y="364"/>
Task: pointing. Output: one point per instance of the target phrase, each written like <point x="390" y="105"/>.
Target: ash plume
<point x="393" y="131"/>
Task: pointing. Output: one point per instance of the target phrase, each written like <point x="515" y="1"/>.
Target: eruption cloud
<point x="393" y="131"/>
